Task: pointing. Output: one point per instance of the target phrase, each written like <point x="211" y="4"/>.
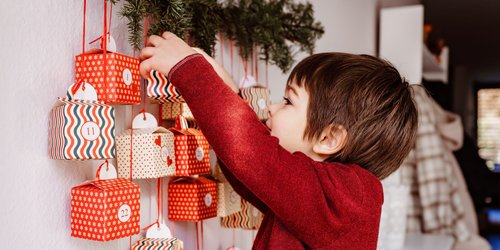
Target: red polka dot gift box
<point x="192" y="199"/>
<point x="115" y="76"/>
<point x="105" y="210"/>
<point x="170" y="111"/>
<point x="160" y="89"/>
<point x="81" y="130"/>
<point x="191" y="150"/>
<point x="152" y="153"/>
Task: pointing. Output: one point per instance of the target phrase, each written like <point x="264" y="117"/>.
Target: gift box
<point x="81" y="129"/>
<point x="160" y="89"/>
<point x="229" y="201"/>
<point x="191" y="150"/>
<point x="159" y="244"/>
<point x="115" y="76"/>
<point x="170" y="111"/>
<point x="248" y="218"/>
<point x="152" y="152"/>
<point x="192" y="199"/>
<point x="259" y="99"/>
<point x="105" y="210"/>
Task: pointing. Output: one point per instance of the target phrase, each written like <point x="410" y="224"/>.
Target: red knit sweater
<point x="306" y="204"/>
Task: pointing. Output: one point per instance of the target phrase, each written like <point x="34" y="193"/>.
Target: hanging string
<point x="234" y="237"/>
<point x="84" y="15"/>
<point x="231" y="52"/>
<point x="256" y="65"/>
<point x="144" y="81"/>
<point x="197" y="242"/>
<point x="202" y="240"/>
<point x="98" y="172"/>
<point x="251" y="63"/>
<point x="267" y="74"/>
<point x="221" y="43"/>
<point x="131" y="139"/>
<point x="160" y="204"/>
<point x="105" y="28"/>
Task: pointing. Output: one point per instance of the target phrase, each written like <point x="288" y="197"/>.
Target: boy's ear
<point x="332" y="140"/>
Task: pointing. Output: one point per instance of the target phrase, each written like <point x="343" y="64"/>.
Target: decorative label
<point x="255" y="211"/>
<point x="164" y="153"/>
<point x="144" y="120"/>
<point x="233" y="196"/>
<point x="124" y="213"/>
<point x="208" y="199"/>
<point x="84" y="92"/>
<point x="199" y="154"/>
<point x="107" y="172"/>
<point x="248" y="81"/>
<point x="127" y="76"/>
<point x="90" y="131"/>
<point x="161" y="232"/>
<point x="262" y="103"/>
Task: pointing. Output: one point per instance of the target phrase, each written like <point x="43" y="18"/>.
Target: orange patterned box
<point x="192" y="199"/>
<point x="115" y="76"/>
<point x="105" y="210"/>
<point x="191" y="150"/>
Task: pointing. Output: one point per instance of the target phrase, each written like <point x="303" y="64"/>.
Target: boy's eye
<point x="287" y="101"/>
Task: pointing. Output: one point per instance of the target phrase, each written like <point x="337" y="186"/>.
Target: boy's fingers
<point x="145" y="68"/>
<point x="155" y="40"/>
<point x="146" y="53"/>
<point x="168" y="35"/>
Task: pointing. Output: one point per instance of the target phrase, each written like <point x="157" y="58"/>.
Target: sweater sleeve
<point x="286" y="183"/>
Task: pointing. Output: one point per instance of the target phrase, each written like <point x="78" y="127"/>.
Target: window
<point x="488" y="126"/>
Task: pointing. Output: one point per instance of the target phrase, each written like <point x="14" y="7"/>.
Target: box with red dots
<point x="191" y="152"/>
<point x="105" y="210"/>
<point x="114" y="76"/>
<point x="152" y="153"/>
<point x="192" y="199"/>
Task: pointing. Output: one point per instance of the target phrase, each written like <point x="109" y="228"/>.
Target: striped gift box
<point x="81" y="129"/>
<point x="114" y="76"/>
<point x="248" y="218"/>
<point x="192" y="199"/>
<point x="152" y="153"/>
<point x="259" y="99"/>
<point x="158" y="244"/>
<point x="161" y="90"/>
<point x="105" y="210"/>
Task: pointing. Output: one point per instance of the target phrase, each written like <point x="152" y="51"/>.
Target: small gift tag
<point x="106" y="171"/>
<point x="248" y="81"/>
<point x="157" y="232"/>
<point x="110" y="45"/>
<point x="82" y="91"/>
<point x="144" y="120"/>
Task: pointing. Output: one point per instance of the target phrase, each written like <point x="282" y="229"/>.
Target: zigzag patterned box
<point x="161" y="90"/>
<point x="158" y="244"/>
<point x="259" y="99"/>
<point x="81" y="130"/>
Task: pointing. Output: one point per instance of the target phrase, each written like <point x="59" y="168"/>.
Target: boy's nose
<point x="271" y="108"/>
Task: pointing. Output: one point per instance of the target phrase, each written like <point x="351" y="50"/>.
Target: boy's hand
<point x="163" y="53"/>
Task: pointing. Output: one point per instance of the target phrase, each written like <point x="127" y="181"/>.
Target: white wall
<point x="37" y="49"/>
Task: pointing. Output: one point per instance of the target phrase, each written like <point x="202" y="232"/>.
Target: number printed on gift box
<point x="199" y="154"/>
<point x="208" y="199"/>
<point x="233" y="196"/>
<point x="127" y="76"/>
<point x="90" y="131"/>
<point x="124" y="213"/>
<point x="164" y="153"/>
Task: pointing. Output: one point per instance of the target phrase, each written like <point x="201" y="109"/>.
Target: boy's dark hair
<point x="369" y="98"/>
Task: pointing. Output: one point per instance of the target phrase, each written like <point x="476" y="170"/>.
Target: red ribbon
<point x="97" y="173"/>
<point x="77" y="86"/>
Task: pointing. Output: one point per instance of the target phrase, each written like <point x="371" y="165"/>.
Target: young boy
<point x="346" y="122"/>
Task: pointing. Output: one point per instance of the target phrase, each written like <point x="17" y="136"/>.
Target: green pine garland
<point x="275" y="27"/>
